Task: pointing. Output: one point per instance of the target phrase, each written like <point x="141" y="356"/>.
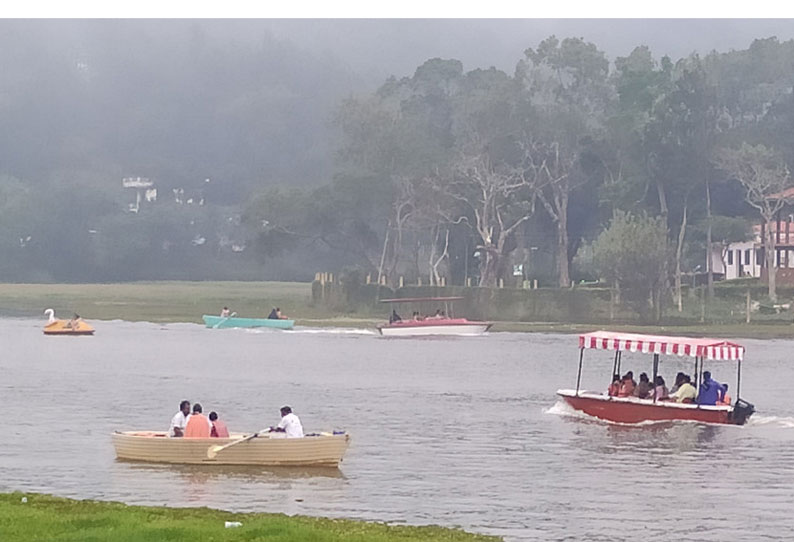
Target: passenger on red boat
<point x="417" y="317"/>
<point x="627" y="385"/>
<point x="219" y="429"/>
<point x="614" y="388"/>
<point x="179" y="420"/>
<point x="437" y="316"/>
<point x="686" y="392"/>
<point x="660" y="390"/>
<point x="679" y="379"/>
<point x="198" y="425"/>
<point x="643" y="389"/>
<point x="726" y="399"/>
<point x="710" y="390"/>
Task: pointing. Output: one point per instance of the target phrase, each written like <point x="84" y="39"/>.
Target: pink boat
<point x="441" y="324"/>
<point x="636" y="410"/>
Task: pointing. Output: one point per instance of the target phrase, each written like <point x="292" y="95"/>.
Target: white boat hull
<point x="324" y="450"/>
<point x="465" y="330"/>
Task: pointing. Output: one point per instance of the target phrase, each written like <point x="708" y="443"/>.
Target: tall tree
<point x="566" y="86"/>
<point x="765" y="178"/>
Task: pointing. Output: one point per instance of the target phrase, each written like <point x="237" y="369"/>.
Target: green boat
<point x="216" y="322"/>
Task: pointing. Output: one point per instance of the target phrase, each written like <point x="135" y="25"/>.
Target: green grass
<point x="53" y="519"/>
<point x="163" y="301"/>
<point x="184" y="301"/>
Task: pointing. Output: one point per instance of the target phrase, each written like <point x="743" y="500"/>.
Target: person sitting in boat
<point x="275" y="314"/>
<point x="660" y="392"/>
<point x="417" y="317"/>
<point x="685" y="393"/>
<point x="219" y="429"/>
<point x="679" y="379"/>
<point x="179" y="420"/>
<point x="643" y="389"/>
<point x="289" y="424"/>
<point x="710" y="390"/>
<point x="74" y="323"/>
<point x="198" y="425"/>
<point x="614" y="388"/>
<point x="394" y="317"/>
<point x="726" y="399"/>
<point x="627" y="385"/>
<point x="225" y="312"/>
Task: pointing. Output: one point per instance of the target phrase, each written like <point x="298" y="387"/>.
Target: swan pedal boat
<point x="64" y="327"/>
<point x="217" y="322"/>
<point x="268" y="449"/>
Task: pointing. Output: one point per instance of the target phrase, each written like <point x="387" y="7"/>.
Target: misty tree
<point x="633" y="254"/>
<point x="765" y="178"/>
<point x="565" y="84"/>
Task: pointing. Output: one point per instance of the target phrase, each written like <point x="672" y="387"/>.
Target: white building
<point x="746" y="258"/>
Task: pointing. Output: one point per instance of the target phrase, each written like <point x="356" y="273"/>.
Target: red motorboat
<point x="636" y="410"/>
<point x="440" y="323"/>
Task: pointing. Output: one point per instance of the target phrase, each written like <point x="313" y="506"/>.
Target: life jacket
<point x="726" y="400"/>
<point x="219" y="430"/>
<point x="627" y="389"/>
<point x="198" y="426"/>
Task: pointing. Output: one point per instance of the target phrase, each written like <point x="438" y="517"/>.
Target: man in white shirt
<point x="289" y="424"/>
<point x="179" y="421"/>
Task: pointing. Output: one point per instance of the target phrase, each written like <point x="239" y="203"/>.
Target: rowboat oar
<point x="212" y="451"/>
<point x="222" y="321"/>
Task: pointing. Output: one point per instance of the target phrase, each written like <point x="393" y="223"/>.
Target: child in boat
<point x="219" y="429"/>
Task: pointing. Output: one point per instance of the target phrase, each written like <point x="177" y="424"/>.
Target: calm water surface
<point x="457" y="432"/>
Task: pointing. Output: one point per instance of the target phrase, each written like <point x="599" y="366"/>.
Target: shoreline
<point x="186" y="301"/>
<point x="38" y="516"/>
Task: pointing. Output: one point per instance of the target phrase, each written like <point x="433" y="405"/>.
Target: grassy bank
<point x="165" y="301"/>
<point x="55" y="519"/>
<point x="184" y="301"/>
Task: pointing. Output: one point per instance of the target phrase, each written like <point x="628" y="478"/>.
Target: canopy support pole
<point x="655" y="372"/>
<point x="615" y="368"/>
<point x="620" y="358"/>
<point x="579" y="375"/>
<point x="738" y="376"/>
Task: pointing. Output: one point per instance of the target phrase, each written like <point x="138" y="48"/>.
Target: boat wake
<point x="333" y="331"/>
<point x="786" y="422"/>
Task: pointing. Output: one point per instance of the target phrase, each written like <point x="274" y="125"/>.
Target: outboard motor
<point x="741" y="411"/>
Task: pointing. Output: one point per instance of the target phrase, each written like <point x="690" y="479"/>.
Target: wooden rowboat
<point x="322" y="450"/>
<point x="216" y="322"/>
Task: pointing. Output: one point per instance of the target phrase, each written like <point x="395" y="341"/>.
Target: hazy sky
<point x="382" y="47"/>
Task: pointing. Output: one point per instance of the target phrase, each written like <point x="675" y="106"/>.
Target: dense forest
<point x="271" y="163"/>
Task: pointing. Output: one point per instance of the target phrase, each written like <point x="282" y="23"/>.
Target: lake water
<point x="456" y="432"/>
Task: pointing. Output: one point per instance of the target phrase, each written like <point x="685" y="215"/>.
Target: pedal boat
<point x="632" y="410"/>
<point x="268" y="449"/>
<point x="65" y="327"/>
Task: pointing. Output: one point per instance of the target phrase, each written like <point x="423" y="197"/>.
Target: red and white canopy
<point x="712" y="349"/>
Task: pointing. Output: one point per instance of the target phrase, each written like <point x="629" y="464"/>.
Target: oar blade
<point x="212" y="451"/>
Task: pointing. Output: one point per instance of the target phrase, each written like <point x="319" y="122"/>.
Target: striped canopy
<point x="712" y="349"/>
